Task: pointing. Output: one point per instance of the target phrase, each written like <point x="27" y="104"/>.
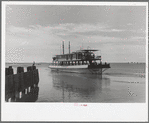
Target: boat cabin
<point x="76" y="58"/>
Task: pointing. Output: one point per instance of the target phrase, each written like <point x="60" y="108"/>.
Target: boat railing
<point x="105" y="65"/>
<point x="56" y="64"/>
<point x="80" y="62"/>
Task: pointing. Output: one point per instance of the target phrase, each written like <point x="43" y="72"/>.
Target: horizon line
<point x="51" y="62"/>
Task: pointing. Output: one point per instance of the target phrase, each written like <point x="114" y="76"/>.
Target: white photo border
<point x="67" y="111"/>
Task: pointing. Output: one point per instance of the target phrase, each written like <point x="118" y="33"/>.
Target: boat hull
<point x="83" y="69"/>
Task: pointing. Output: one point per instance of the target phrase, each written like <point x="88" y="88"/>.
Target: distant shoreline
<point x="51" y="62"/>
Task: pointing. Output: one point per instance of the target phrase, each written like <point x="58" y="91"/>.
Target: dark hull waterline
<point x="83" y="69"/>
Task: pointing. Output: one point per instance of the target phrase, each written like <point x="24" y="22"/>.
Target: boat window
<point x="93" y="61"/>
<point x="54" y="58"/>
<point x="82" y="62"/>
<point x="66" y="57"/>
<point x="71" y="57"/>
<point x="76" y="63"/>
<point x="74" y="55"/>
<point x="79" y="57"/>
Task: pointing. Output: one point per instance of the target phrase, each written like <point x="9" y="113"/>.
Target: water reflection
<point x="79" y="87"/>
<point x="31" y="96"/>
<point x="106" y="82"/>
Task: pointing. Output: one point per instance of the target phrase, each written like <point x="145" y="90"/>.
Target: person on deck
<point x="33" y="63"/>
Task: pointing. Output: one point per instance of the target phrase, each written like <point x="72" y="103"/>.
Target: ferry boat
<point x="82" y="61"/>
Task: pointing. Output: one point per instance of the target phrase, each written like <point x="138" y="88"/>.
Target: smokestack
<point x="69" y="47"/>
<point x="63" y="47"/>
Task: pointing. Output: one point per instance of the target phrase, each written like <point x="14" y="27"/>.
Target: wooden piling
<point x="16" y="85"/>
<point x="6" y="71"/>
<point x="10" y="70"/>
<point x="21" y="81"/>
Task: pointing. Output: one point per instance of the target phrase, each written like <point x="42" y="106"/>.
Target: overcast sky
<point x="35" y="32"/>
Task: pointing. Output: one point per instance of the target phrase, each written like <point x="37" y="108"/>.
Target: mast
<point x="69" y="47"/>
<point x="63" y="47"/>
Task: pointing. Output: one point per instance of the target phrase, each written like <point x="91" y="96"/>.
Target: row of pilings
<point x="18" y="85"/>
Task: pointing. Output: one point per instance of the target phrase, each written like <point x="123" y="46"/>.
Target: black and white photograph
<point x="74" y="54"/>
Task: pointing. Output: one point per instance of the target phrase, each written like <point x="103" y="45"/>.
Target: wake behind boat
<point x="81" y="61"/>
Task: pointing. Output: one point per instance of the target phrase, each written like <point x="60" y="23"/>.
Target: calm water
<point x="123" y="82"/>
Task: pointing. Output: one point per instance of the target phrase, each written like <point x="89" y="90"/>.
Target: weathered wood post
<point x="34" y="76"/>
<point x="10" y="70"/>
<point x="9" y="88"/>
<point x="29" y="77"/>
<point x="6" y="71"/>
<point x="18" y="85"/>
<point x="20" y="71"/>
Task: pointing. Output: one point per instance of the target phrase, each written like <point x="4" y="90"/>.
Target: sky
<point x="35" y="32"/>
